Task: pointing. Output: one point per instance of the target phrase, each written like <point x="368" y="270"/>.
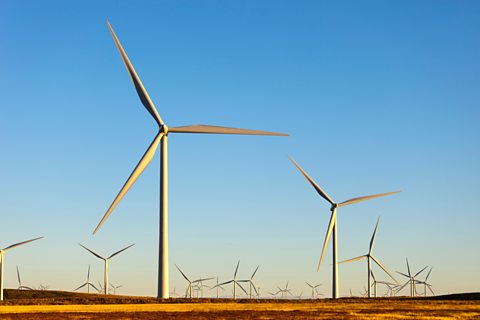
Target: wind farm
<point x="370" y="103"/>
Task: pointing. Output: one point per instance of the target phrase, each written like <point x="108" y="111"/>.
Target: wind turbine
<point x="188" y="293"/>
<point x="411" y="280"/>
<point x="2" y="259"/>
<point x="285" y="292"/>
<point x="313" y="287"/>
<point x="369" y="256"/>
<point x="162" y="136"/>
<point x="22" y="287"/>
<point x="106" y="260"/>
<point x="426" y="284"/>
<point x="115" y="288"/>
<point x="88" y="284"/>
<point x="251" y="284"/>
<point x="218" y="287"/>
<point x="332" y="226"/>
<point x="235" y="283"/>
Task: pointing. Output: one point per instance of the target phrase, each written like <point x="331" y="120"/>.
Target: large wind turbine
<point x="332" y="226"/>
<point x="369" y="256"/>
<point x="162" y="136"/>
<point x="2" y="259"/>
<point x="105" y="260"/>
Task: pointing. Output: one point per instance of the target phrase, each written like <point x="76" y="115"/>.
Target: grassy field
<point x="67" y="305"/>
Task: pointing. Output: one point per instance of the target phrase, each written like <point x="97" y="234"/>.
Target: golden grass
<point x="148" y="308"/>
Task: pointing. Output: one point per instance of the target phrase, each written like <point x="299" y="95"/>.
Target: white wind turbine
<point x="411" y="280"/>
<point x="161" y="136"/>
<point x="251" y="284"/>
<point x="314" y="288"/>
<point x="105" y="260"/>
<point x="369" y="256"/>
<point x="332" y="226"/>
<point x="285" y="292"/>
<point x="88" y="284"/>
<point x="426" y="284"/>
<point x="22" y="287"/>
<point x="235" y="283"/>
<point x="115" y="288"/>
<point x="2" y="260"/>
<point x="188" y="293"/>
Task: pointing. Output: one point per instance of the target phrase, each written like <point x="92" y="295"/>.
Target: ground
<point x="67" y="305"/>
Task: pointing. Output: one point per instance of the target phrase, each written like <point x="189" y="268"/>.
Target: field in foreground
<point x="42" y="305"/>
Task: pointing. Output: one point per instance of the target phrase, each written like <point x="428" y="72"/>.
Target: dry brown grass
<point x="64" y="305"/>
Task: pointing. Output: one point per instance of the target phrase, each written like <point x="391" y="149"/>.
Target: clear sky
<point x="377" y="96"/>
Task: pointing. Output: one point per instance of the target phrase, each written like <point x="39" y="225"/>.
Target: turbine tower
<point x="162" y="137"/>
<point x="332" y="226"/>
<point x="88" y="284"/>
<point x="105" y="268"/>
<point x="2" y="260"/>
<point x="369" y="256"/>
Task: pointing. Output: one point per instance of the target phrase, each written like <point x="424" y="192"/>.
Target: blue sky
<point x="376" y="95"/>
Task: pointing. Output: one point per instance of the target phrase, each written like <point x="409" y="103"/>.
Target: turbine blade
<point x="20" y="243"/>
<point x="403" y="274"/>
<point x="254" y="288"/>
<point x="238" y="284"/>
<point x="429" y="288"/>
<point x="428" y="275"/>
<point x="353" y="259"/>
<point x="183" y="274"/>
<point x="319" y="190"/>
<point x="236" y="270"/>
<point x="420" y="272"/>
<point x="141" y="91"/>
<point x="96" y="255"/>
<point x="403" y="286"/>
<point x="372" y="241"/>
<point x="373" y="276"/>
<point x="384" y="268"/>
<point x="18" y="276"/>
<point x="327" y="237"/>
<point x="408" y="268"/>
<point x="202" y="128"/>
<point x="83" y="285"/>
<point x="120" y="251"/>
<point x="144" y="161"/>
<point x="222" y="284"/>
<point x="364" y="198"/>
<point x="88" y="274"/>
<point x="204" y="279"/>
<point x="308" y="284"/>
<point x="254" y="272"/>
<point x="91" y="284"/>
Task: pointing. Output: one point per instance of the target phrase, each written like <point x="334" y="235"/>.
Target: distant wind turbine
<point x="2" y="260"/>
<point x="161" y="136"/>
<point x="314" y="288"/>
<point x="106" y="260"/>
<point x="88" y="284"/>
<point x="369" y="256"/>
<point x="411" y="279"/>
<point x="115" y="288"/>
<point x="235" y="283"/>
<point x="251" y="284"/>
<point x="188" y="293"/>
<point x="332" y="226"/>
<point x="426" y="284"/>
<point x="20" y="286"/>
<point x="285" y="292"/>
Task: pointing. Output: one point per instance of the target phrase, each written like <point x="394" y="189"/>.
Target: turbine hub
<point x="165" y="129"/>
<point x="333" y="207"/>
